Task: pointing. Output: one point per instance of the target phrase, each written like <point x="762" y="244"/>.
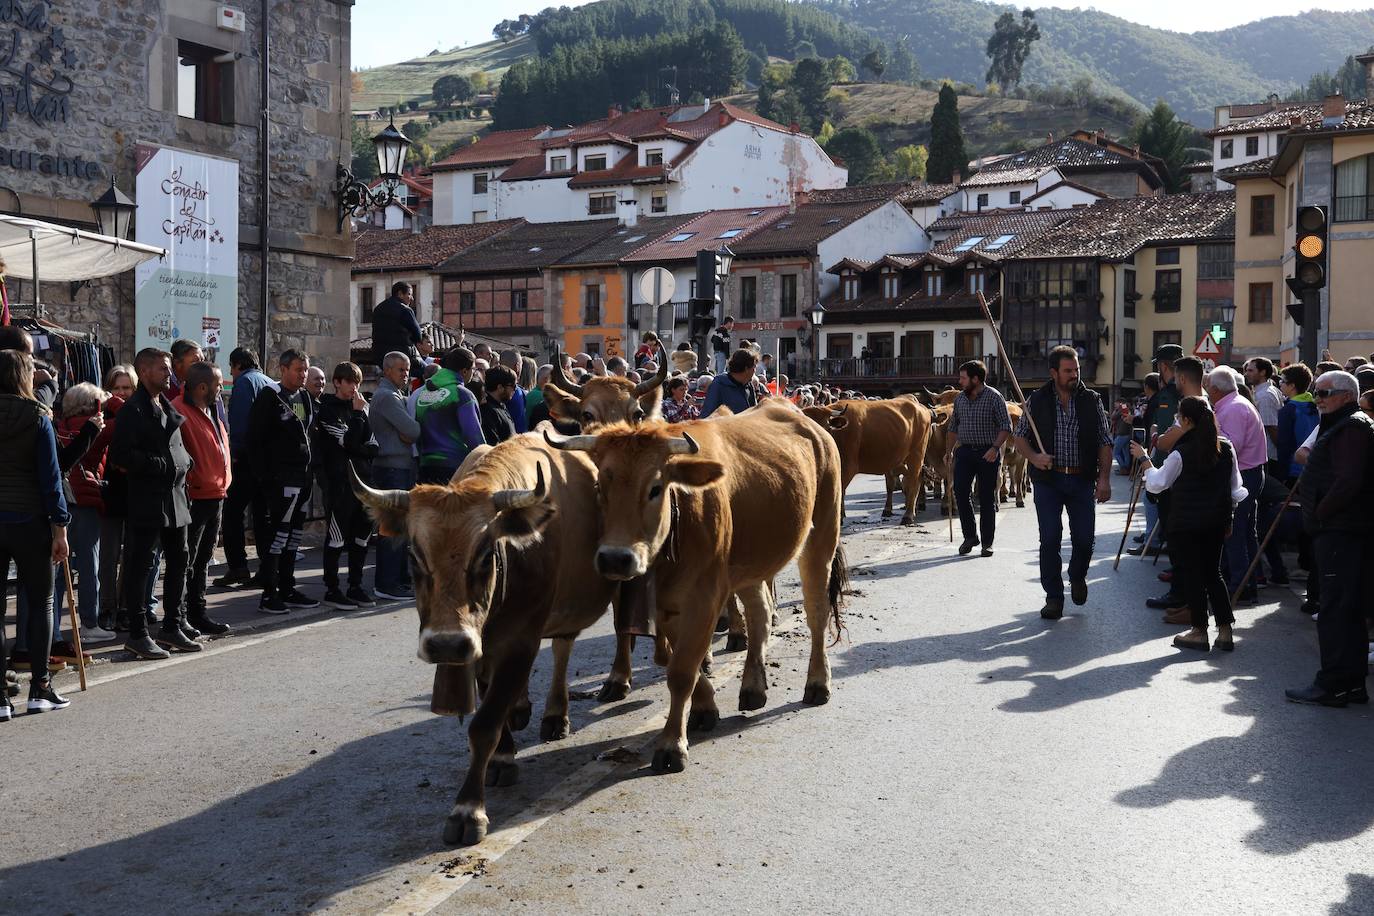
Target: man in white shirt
<point x="1259" y="375"/>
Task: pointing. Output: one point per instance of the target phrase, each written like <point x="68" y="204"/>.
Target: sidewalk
<point x="237" y="607"/>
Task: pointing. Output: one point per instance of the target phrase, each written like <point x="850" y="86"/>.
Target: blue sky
<point x="387" y="31"/>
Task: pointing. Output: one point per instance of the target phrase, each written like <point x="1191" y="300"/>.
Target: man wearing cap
<point x="1159" y="417"/>
<point x="1336" y="491"/>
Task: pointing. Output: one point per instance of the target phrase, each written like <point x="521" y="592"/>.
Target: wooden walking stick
<point x="1137" y="484"/>
<point x="76" y="624"/>
<point x="949" y="497"/>
<point x="1011" y="373"/>
<point x="1274" y="526"/>
<point x="1149" y="539"/>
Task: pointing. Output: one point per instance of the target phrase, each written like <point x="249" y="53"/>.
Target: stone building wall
<point x="121" y="59"/>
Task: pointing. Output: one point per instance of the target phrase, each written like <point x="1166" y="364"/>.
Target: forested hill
<point x="1193" y="73"/>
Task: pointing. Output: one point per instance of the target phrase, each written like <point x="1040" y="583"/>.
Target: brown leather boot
<point x="1179" y="616"/>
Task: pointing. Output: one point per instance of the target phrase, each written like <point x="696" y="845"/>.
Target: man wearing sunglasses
<point x="1337" y="495"/>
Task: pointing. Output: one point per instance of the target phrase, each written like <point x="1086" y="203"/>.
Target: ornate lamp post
<point x="114" y="212"/>
<point x="817" y="317"/>
<point x="356" y="199"/>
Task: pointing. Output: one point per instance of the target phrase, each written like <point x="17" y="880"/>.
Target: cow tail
<point x="838" y="585"/>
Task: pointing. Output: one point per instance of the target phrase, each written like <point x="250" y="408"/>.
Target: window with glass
<point x="839" y="346"/>
<point x="982" y="201"/>
<point x="479" y="182"/>
<point x="1128" y="353"/>
<point x="1262" y="214"/>
<point x="558" y="163"/>
<point x="591" y="305"/>
<point x="467" y="301"/>
<point x="653" y="157"/>
<point x="1216" y="262"/>
<point x="594" y="164"/>
<point x="1168" y="290"/>
<point x="367" y="299"/>
<point x="968" y="343"/>
<point x="1131" y="294"/>
<point x="1014" y="197"/>
<point x="658" y="202"/>
<point x="1354" y="196"/>
<point x="601" y="204"/>
<point x="851" y="286"/>
<point x="205" y="83"/>
<point x="892" y="282"/>
<point x="1228" y="149"/>
<point x="976" y="281"/>
<point x="918" y="344"/>
<point x="935" y="283"/>
<point x="1252" y="146"/>
<point x="880" y="346"/>
<point x="1166" y="256"/>
<point x="748" y="297"/>
<point x="1163" y="338"/>
<point x="1261" y="303"/>
<point x="787" y="295"/>
<point x="519" y="300"/>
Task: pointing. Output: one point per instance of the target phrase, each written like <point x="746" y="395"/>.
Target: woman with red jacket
<point x="81" y="414"/>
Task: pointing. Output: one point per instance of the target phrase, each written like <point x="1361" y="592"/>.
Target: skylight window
<point x="729" y="233"/>
<point x="969" y="243"/>
<point x="536" y="248"/>
<point x="633" y="238"/>
<point x="682" y="237"/>
<point x="754" y="212"/>
<point x="782" y="225"/>
<point x="834" y="220"/>
<point x="999" y="242"/>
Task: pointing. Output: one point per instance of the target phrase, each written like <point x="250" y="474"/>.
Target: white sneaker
<point x="96" y="634"/>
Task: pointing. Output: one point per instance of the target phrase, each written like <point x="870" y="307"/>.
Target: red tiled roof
<point x="803" y="230"/>
<point x="627" y="240"/>
<point x="906" y="192"/>
<point x="1079" y="152"/>
<point x="1259" y="168"/>
<point x="1359" y="115"/>
<point x="705" y="232"/>
<point x="528" y="247"/>
<point x="1116" y="229"/>
<point x="496" y="148"/>
<point x="402" y="249"/>
<point x="1265" y="118"/>
<point x="995" y="175"/>
<point x="422" y="187"/>
<point x="1012" y="229"/>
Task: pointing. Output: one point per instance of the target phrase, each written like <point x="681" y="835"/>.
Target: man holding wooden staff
<point x="1071" y="464"/>
<point x="978" y="429"/>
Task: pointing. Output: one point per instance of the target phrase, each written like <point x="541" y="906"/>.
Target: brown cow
<point x="675" y="493"/>
<point x="937" y="465"/>
<point x="503" y="556"/>
<point x="880" y="437"/>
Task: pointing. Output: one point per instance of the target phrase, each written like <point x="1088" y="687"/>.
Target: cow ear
<point x="524" y="525"/>
<point x="562" y="406"/>
<point x="693" y="472"/>
<point x="652" y="403"/>
<point x="390" y="522"/>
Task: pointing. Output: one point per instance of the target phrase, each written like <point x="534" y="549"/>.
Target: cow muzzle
<point x="449" y="647"/>
<point x="620" y="563"/>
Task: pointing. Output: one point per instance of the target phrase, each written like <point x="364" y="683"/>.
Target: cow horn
<point x="684" y="446"/>
<point x="377" y="499"/>
<point x="522" y="499"/>
<point x="558" y="378"/>
<point x="658" y="378"/>
<point x="839" y="411"/>
<point x="569" y="443"/>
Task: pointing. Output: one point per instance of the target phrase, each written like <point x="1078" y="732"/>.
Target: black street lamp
<point x="114" y="212"/>
<point x="356" y="199"/>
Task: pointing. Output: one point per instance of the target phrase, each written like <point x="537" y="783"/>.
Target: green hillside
<point x="413" y="79"/>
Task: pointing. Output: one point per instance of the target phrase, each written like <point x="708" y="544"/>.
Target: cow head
<point x="604" y="400"/>
<point x="635" y="471"/>
<point x="829" y="417"/>
<point x="459" y="535"/>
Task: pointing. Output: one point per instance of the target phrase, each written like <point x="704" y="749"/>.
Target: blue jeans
<point x="1243" y="544"/>
<point x="1054" y="493"/>
<point x="83" y="539"/>
<point x="969" y="466"/>
<point x="1121" y="451"/>
<point x="718" y="362"/>
<point x="392" y="571"/>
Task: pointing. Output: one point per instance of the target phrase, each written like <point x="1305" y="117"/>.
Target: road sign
<point x="1206" y="347"/>
<point x="656" y="286"/>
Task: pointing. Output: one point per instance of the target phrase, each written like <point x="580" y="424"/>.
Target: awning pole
<point x="37" y="298"/>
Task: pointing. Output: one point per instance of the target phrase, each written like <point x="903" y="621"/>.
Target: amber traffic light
<point x="1309" y="272"/>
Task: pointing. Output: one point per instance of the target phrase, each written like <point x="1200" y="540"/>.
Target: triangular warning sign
<point x="1206" y="347"/>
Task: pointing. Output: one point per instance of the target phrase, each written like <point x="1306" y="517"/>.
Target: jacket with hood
<point x="1297" y="418"/>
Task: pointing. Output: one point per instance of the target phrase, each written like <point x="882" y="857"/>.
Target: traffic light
<point x="1309" y="266"/>
<point x="713" y="269"/>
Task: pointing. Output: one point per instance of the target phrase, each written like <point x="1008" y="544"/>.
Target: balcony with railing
<point x="897" y="371"/>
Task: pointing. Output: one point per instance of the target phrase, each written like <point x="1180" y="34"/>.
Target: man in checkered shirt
<point x="979" y="428"/>
<point x="1069" y="418"/>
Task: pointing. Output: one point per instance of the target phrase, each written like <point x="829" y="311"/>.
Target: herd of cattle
<point x="536" y="537"/>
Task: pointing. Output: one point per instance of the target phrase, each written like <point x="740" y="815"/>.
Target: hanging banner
<point x="188" y="203"/>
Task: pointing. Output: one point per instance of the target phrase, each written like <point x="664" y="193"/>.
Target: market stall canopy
<point x="66" y="254"/>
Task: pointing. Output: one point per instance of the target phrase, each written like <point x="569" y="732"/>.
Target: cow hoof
<point x="669" y="761"/>
<point x="706" y="666"/>
<point x="1020" y="504"/>
<point x="751" y="698"/>
<point x="519" y="718"/>
<point x="612" y="691"/>
<point x="554" y="728"/>
<point x="736" y="642"/>
<point x="908" y="520"/>
<point x="703" y="720"/>
<point x="465" y="829"/>
<point x="888" y="513"/>
<point x="502" y="774"/>
<point x="816" y="695"/>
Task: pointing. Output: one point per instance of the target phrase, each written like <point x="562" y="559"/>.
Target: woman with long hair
<point x="1202" y="475"/>
<point x="33" y="517"/>
<point x="121" y="381"/>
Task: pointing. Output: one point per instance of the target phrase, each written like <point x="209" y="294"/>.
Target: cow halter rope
<point x="1011" y="373"/>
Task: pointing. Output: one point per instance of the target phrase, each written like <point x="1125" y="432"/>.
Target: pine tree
<point x="903" y="68"/>
<point x="947" y="152"/>
<point x="810" y="86"/>
<point x="1162" y="134"/>
<point x="1009" y="46"/>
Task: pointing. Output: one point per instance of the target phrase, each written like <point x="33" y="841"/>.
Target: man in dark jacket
<point x="497" y="423"/>
<point x="249" y="381"/>
<point x="1337" y="495"/>
<point x="720" y="343"/>
<point x="279" y="458"/>
<point x="1071" y="451"/>
<point x="341" y="434"/>
<point x="736" y="387"/>
<point x="147" y="446"/>
<point x="394" y="327"/>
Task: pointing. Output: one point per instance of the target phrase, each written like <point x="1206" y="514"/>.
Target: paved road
<point x="973" y="758"/>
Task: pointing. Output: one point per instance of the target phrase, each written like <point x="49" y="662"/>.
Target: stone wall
<point x="123" y="67"/>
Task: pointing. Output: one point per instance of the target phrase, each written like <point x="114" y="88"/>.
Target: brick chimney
<point x="956" y="177"/>
<point x="794" y="127"/>
<point x="1333" y="106"/>
<point x="613" y="112"/>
